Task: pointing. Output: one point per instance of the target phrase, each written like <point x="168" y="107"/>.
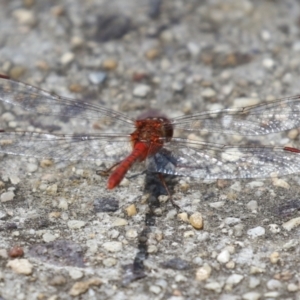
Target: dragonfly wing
<point x="213" y="161"/>
<point x="42" y="102"/>
<point x="65" y="147"/>
<point x="261" y="119"/>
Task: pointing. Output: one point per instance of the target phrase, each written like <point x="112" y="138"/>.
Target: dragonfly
<point x="125" y="141"/>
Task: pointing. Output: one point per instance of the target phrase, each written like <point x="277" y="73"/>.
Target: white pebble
<point x="252" y="205"/>
<point x="7" y="196"/>
<point x="224" y="257"/>
<point x="253" y="282"/>
<point x="233" y="280"/>
<point x="255" y="232"/>
<point x="208" y="93"/>
<point x="25" y="16"/>
<point x="131" y="234"/>
<point x="214" y="286"/>
<point x="274" y="284"/>
<point x="251" y="296"/>
<point x="14" y="179"/>
<point x="109" y="262"/>
<point x="113" y="246"/>
<point x="268" y="63"/>
<point x="141" y="90"/>
<point x="292" y="287"/>
<point x="63" y="204"/>
<point x="75" y="224"/>
<point x="243" y="101"/>
<point x="75" y="274"/>
<point x="92" y="245"/>
<point x="20" y="266"/>
<point x="236" y="186"/>
<point x="31" y="168"/>
<point x="49" y="237"/>
<point x="67" y="58"/>
<point x="289" y="225"/>
<point x="155" y="289"/>
<point x="280" y="183"/>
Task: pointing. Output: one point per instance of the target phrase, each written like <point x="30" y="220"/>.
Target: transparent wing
<point x="213" y="161"/>
<point x="41" y="102"/>
<point x="66" y="147"/>
<point x="261" y="119"/>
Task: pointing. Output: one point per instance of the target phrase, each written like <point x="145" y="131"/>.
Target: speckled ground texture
<point x="181" y="57"/>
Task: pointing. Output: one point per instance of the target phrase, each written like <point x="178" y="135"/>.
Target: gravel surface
<point x="64" y="236"/>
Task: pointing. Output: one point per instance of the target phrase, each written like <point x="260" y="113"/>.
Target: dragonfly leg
<point x="107" y="171"/>
<point x="161" y="178"/>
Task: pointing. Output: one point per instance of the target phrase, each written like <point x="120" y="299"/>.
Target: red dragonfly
<point x="151" y="138"/>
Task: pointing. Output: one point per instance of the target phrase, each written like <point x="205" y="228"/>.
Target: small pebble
<point x="3" y="254"/>
<point x="31" y="168"/>
<point x="252" y="205"/>
<point x="230" y="265"/>
<point x="291" y="224"/>
<point x="45" y="163"/>
<point x="255" y="232"/>
<point x="253" y="282"/>
<point x="223" y="257"/>
<point x="67" y="58"/>
<point x="75" y="274"/>
<point x="183" y="217"/>
<point x="7" y="196"/>
<point x="82" y="286"/>
<point x="208" y="93"/>
<point x="177" y="86"/>
<point x="204" y="272"/>
<point x="109" y="64"/>
<point x="25" y="16"/>
<point x="113" y="246"/>
<point x="236" y="186"/>
<point x="52" y="189"/>
<point x="58" y="280"/>
<point x="63" y="203"/>
<point x="242" y="102"/>
<point x="214" y="286"/>
<point x="280" y="183"/>
<point x="155" y="289"/>
<point x="76" y="224"/>
<point x="97" y="77"/>
<point x="290" y="244"/>
<point x="16" y="252"/>
<point x="256" y="270"/>
<point x="232" y="221"/>
<point x="292" y="287"/>
<point x="152" y="53"/>
<point x="20" y="266"/>
<point x="119" y="222"/>
<point x="217" y="204"/>
<point x="196" y="220"/>
<point x="109" y="262"/>
<point x="268" y="63"/>
<point x="188" y="234"/>
<point x="49" y="237"/>
<point x="274" y="284"/>
<point x="14" y="179"/>
<point x="141" y="90"/>
<point x="92" y="245"/>
<point x="131" y="210"/>
<point x="233" y="280"/>
<point x="274" y="257"/>
<point x="131" y="234"/>
<point x="292" y="134"/>
<point x="274" y="228"/>
<point x="152" y="249"/>
<point x="251" y="296"/>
